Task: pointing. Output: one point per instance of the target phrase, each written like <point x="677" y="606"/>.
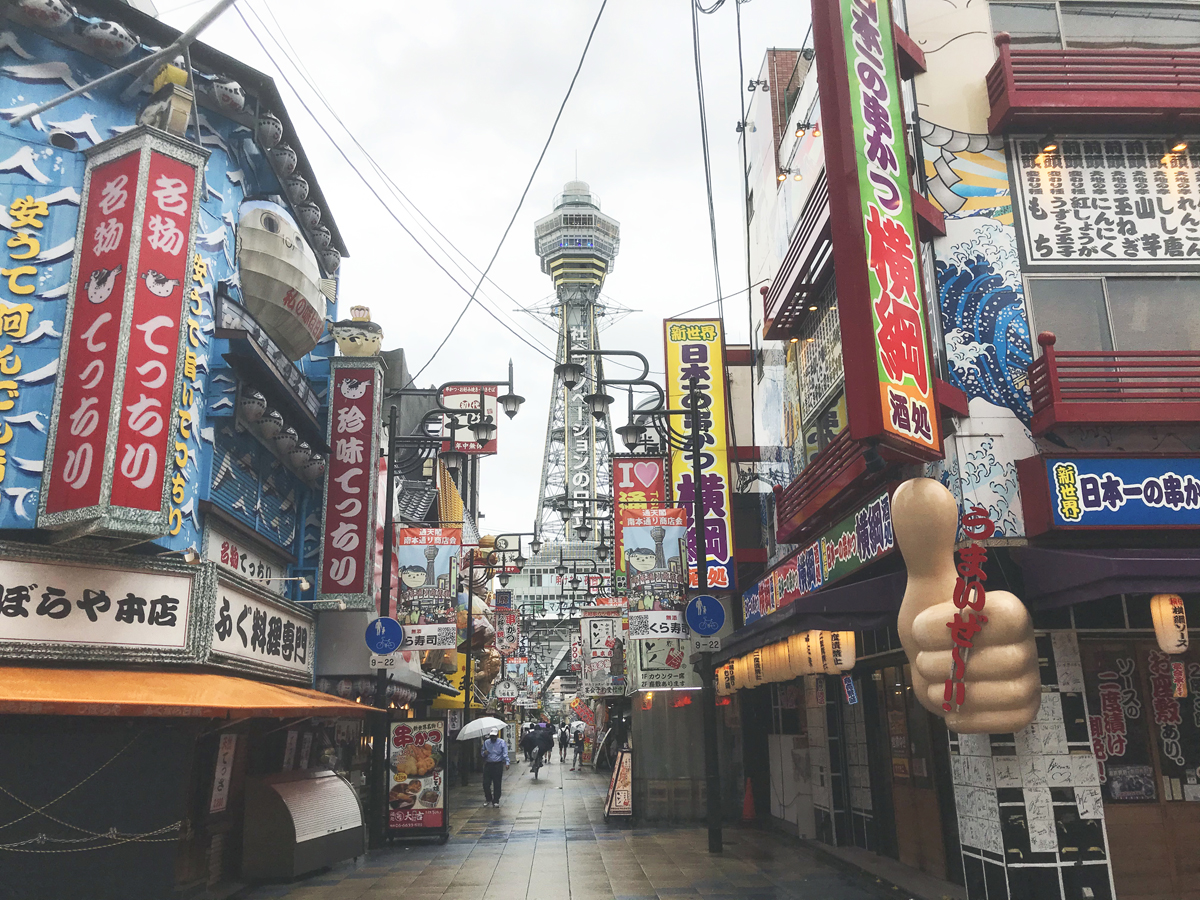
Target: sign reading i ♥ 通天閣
<point x="1125" y="492"/>
<point x="639" y="482"/>
<point x="695" y="349"/>
<point x="889" y="375"/>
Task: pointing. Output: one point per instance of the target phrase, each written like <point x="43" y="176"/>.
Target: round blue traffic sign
<point x="384" y="636"/>
<point x="705" y="615"/>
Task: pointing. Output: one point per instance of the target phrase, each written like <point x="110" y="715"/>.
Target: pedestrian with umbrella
<point x="494" y="753"/>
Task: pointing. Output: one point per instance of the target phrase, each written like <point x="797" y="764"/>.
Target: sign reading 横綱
<point x="889" y="375"/>
<point x="639" y="482"/>
<point x="348" y="545"/>
<point x="113" y="434"/>
<point x="259" y="634"/>
<point x="1121" y="492"/>
<point x="1115" y="200"/>
<point x="696" y="349"/>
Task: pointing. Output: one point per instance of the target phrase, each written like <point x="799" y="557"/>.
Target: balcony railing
<point x="1076" y="90"/>
<point x="1086" y="387"/>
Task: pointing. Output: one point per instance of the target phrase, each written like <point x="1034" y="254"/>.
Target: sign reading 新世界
<point x="1107" y="200"/>
<point x="889" y="375"/>
<point x="1124" y="492"/>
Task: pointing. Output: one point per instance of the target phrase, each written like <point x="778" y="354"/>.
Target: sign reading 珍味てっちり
<point x="695" y="349"/>
<point x="348" y="545"/>
<point x="889" y="375"/>
<point x="115" y="429"/>
<point x="639" y="482"/>
<point x="1120" y="492"/>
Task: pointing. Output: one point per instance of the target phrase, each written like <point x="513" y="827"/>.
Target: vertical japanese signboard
<point x="113" y="434"/>
<point x="639" y="482"/>
<point x="428" y="603"/>
<point x="889" y="377"/>
<point x="654" y="546"/>
<point x="696" y="349"/>
<point x="417" y="776"/>
<point x="603" y="638"/>
<point x="348" y="545"/>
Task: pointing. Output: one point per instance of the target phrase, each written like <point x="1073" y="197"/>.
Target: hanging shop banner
<point x="661" y="663"/>
<point x="1107" y="201"/>
<point x="619" y="801"/>
<point x="467" y="398"/>
<point x="889" y="375"/>
<point x="428" y="604"/>
<point x="858" y="539"/>
<point x="223" y="775"/>
<point x="696" y="349"/>
<point x="639" y="482"/>
<point x="1125" y="492"/>
<point x="576" y="653"/>
<point x="348" y="547"/>
<point x="237" y="556"/>
<point x="603" y="636"/>
<point x="654" y="542"/>
<point x="665" y="623"/>
<point x="508" y="634"/>
<point x="122" y="399"/>
<point x="417" y="776"/>
<point x="267" y="636"/>
<point x="1117" y="712"/>
<point x="55" y="608"/>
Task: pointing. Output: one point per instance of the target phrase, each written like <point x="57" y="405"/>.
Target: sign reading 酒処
<point x="696" y="349"/>
<point x="1125" y="492"/>
<point x="265" y="635"/>
<point x="857" y="540"/>
<point x="348" y="545"/>
<point x="1115" y="201"/>
<point x="889" y="374"/>
<point x="127" y="340"/>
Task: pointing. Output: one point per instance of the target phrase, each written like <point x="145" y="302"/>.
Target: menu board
<point x="417" y="773"/>
<point x="1176" y="721"/>
<point x="1117" y="714"/>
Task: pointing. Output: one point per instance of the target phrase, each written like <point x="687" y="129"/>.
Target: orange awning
<point x="116" y="692"/>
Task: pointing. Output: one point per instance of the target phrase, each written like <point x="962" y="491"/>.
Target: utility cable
<point x="737" y="8"/>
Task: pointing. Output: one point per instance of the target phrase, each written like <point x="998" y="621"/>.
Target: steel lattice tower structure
<point x="577" y="245"/>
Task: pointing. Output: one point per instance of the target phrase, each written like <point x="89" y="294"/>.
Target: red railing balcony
<point x="1088" y="387"/>
<point x="1066" y="91"/>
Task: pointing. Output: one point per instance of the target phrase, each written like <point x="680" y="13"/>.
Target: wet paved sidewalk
<point x="549" y="841"/>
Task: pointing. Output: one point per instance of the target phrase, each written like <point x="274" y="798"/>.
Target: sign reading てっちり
<point x="889" y="374"/>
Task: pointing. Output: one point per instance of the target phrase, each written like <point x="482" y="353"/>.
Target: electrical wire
<point x="726" y="297"/>
<point x="712" y="215"/>
<point x="737" y="8"/>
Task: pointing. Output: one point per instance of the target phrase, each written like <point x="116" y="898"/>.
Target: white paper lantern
<point x="1170" y="622"/>
<point x="842" y="648"/>
<point x="797" y="656"/>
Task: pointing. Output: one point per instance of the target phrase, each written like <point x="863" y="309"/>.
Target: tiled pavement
<point x="549" y="841"/>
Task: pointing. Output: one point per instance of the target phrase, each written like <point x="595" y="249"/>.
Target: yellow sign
<point x="456" y="679"/>
<point x="695" y="354"/>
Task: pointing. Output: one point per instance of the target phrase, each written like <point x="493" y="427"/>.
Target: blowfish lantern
<point x="358" y="335"/>
<point x="998" y="689"/>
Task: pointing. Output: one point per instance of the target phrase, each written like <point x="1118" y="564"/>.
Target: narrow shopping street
<point x="549" y="841"/>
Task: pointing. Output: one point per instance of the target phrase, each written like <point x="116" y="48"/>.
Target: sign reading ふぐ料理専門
<point x="1126" y="491"/>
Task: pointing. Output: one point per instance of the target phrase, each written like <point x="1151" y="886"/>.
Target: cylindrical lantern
<point x="1170" y="622"/>
<point x="825" y="657"/>
<point x="741" y="672"/>
<point x="779" y="669"/>
<point x="758" y="673"/>
<point x="841" y="646"/>
<point x="796" y="657"/>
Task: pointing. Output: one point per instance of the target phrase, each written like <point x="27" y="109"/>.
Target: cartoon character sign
<point x="428" y="558"/>
<point x="654" y="543"/>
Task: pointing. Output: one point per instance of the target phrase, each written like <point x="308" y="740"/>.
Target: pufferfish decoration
<point x="358" y="335"/>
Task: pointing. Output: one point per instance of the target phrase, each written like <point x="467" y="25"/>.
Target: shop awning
<point x="1056" y="578"/>
<point x="117" y="692"/>
<point x="871" y="603"/>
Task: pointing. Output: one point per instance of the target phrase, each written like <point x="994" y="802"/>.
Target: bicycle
<point x="537" y="761"/>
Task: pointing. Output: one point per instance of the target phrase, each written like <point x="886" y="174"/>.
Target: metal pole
<point x="708" y="702"/>
<point x="467" y="670"/>
<point x="378" y="829"/>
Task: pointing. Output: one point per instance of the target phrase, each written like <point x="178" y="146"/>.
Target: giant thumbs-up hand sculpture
<point x="1001" y="687"/>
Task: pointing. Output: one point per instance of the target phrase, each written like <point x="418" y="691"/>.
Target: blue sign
<point x="705" y="615"/>
<point x="1124" y="492"/>
<point x="850" y="689"/>
<point x="384" y="636"/>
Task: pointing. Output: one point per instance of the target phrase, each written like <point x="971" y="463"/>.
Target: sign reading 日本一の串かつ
<point x="695" y="349"/>
<point x="1127" y="491"/>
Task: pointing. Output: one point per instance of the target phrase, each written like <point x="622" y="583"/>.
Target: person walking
<point x="545" y="743"/>
<point x="564" y="738"/>
<point x="577" y="742"/>
<point x="527" y="744"/>
<point x="495" y="762"/>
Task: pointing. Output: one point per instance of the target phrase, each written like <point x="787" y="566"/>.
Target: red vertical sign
<point x="349" y="480"/>
<point x="90" y="344"/>
<point x="144" y="436"/>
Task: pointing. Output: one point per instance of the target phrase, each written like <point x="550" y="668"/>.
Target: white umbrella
<point x="480" y="728"/>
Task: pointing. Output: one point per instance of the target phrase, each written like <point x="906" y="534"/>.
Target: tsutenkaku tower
<point x="577" y="244"/>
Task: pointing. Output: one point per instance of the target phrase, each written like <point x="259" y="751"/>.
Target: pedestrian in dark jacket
<point x="545" y="741"/>
<point x="527" y="744"/>
<point x="564" y="739"/>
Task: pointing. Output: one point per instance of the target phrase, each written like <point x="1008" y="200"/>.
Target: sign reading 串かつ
<point x="695" y="349"/>
<point x="264" y="633"/>
<point x="1107" y="200"/>
<point x="1127" y="492"/>
<point x="416" y="779"/>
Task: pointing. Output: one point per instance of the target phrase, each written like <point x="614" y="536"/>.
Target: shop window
<point x="1098" y="26"/>
<point x="1118" y="313"/>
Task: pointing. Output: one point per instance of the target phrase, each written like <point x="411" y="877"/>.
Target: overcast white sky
<point x="454" y="100"/>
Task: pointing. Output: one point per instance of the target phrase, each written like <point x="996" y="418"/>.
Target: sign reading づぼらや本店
<point x="348" y="537"/>
<point x="61" y="606"/>
<point x="121" y="395"/>
<point x="695" y="348"/>
<point x="255" y="632"/>
<point x="889" y="373"/>
<point x="1113" y="492"/>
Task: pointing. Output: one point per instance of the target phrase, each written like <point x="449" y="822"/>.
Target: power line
<point x="712" y="215"/>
